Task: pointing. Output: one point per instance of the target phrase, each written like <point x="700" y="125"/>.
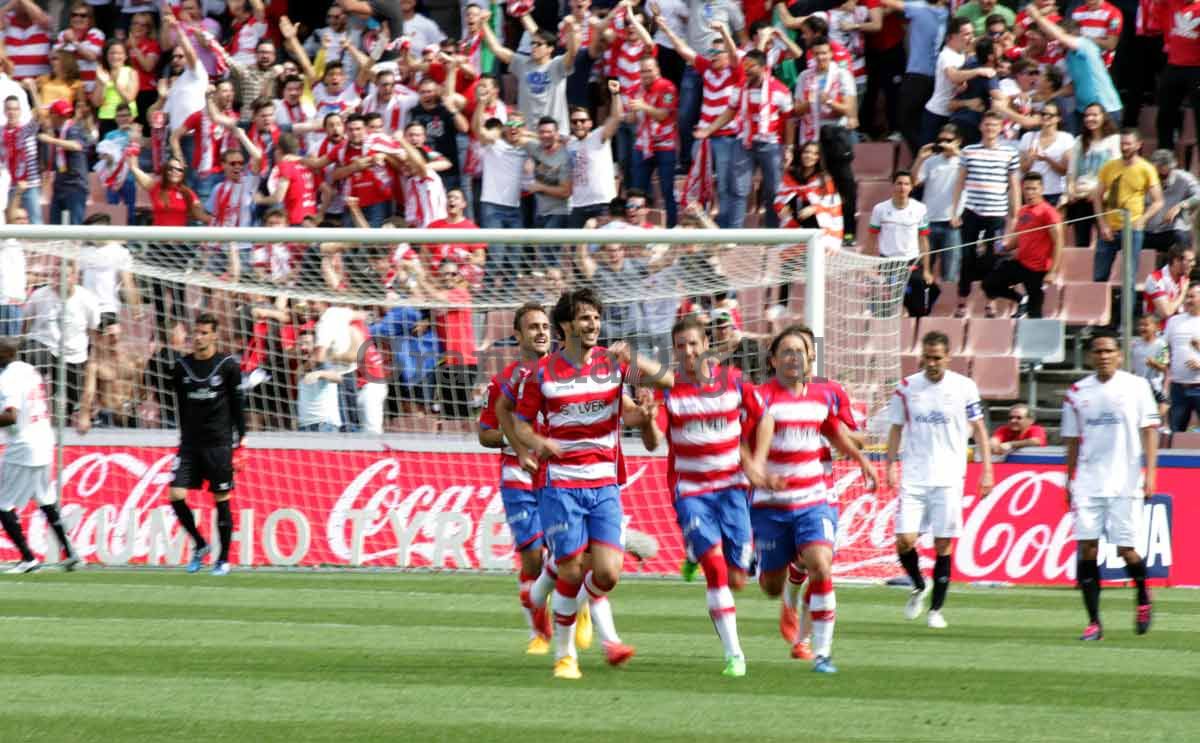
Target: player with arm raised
<point x="25" y="472"/>
<point x="936" y="410"/>
<point x="1109" y="423"/>
<point x="704" y="430"/>
<point x="579" y="392"/>
<point x="532" y="328"/>
<point x="212" y="426"/>
<point x="789" y="507"/>
<point x="795" y="623"/>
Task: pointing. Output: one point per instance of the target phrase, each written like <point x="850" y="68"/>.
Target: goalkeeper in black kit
<point x="212" y="429"/>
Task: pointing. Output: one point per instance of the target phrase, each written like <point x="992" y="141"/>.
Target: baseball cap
<point x="62" y="108"/>
<point x="722" y="317"/>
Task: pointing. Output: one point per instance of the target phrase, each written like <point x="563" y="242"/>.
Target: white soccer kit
<point x="1107" y="418"/>
<point x="30" y="445"/>
<point x="937" y="418"/>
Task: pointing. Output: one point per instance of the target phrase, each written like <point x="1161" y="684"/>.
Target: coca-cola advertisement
<point x="443" y="510"/>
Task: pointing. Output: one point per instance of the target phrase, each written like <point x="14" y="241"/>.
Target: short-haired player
<point x="1110" y="426"/>
<point x="789" y="509"/>
<point x="578" y="390"/>
<point x="935" y="412"/>
<point x="28" y="452"/>
<point x="531" y="326"/>
<point x="704" y="412"/>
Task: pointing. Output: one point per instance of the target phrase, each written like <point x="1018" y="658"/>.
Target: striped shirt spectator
<point x="1099" y="21"/>
<point x="83" y="40"/>
<point x="20" y="152"/>
<point x="27" y="40"/>
<point x="988" y="170"/>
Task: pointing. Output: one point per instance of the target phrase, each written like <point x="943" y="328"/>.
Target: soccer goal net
<point x="365" y="357"/>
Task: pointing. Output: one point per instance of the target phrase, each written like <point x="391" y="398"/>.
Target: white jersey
<point x="30" y="439"/>
<point x="100" y="271"/>
<point x="317" y="402"/>
<point x="899" y="228"/>
<point x="394" y="110"/>
<point x="936" y="419"/>
<point x="82" y="315"/>
<point x="333" y="334"/>
<point x="1108" y="418"/>
<point x="592" y="179"/>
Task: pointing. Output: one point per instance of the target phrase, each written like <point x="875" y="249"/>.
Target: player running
<point x="704" y="413"/>
<point x="579" y="392"/>
<point x="936" y="410"/>
<point x="27" y="455"/>
<point x="532" y="328"/>
<point x="794" y="618"/>
<point x="1116" y="410"/>
<point x="790" y="509"/>
<point x="212" y="426"/>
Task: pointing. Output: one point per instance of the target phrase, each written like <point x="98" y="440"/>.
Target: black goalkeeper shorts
<point x="195" y="466"/>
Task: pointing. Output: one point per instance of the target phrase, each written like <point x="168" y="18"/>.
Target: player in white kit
<point x="935" y="411"/>
<point x="27" y="455"/>
<point x="1109" y="421"/>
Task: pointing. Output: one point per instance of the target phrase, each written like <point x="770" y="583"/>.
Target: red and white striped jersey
<point x="1023" y="22"/>
<point x="394" y="110"/>
<point x="28" y="47"/>
<point x="704" y="432"/>
<point x="763" y="109"/>
<point x="210" y="140"/>
<point x="656" y="136"/>
<point x="1099" y="22"/>
<point x="244" y="37"/>
<point x="287" y="114"/>
<point x="622" y="58"/>
<point x="424" y="200"/>
<point x="582" y="407"/>
<point x="801" y="421"/>
<point x="720" y="92"/>
<point x="510" y="383"/>
<point x="93" y="43"/>
<point x="232" y="203"/>
<point x="20" y="152"/>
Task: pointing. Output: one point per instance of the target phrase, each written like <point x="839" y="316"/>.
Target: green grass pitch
<point x="128" y="655"/>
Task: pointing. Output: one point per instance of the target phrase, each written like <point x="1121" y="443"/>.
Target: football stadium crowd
<point x="992" y="118"/>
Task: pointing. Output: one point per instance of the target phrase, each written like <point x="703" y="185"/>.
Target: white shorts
<point x="1116" y="519"/>
<point x="371" y="398"/>
<point x="19" y="484"/>
<point x="932" y="510"/>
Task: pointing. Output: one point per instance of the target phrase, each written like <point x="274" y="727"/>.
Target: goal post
<point x="388" y="470"/>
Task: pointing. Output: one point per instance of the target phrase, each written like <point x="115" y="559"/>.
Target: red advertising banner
<point x="443" y="510"/>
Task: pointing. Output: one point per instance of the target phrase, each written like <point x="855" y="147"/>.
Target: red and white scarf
<point x="698" y="188"/>
<point x="60" y="155"/>
<point x="228" y="201"/>
<point x="267" y="143"/>
<point x="14" y="152"/>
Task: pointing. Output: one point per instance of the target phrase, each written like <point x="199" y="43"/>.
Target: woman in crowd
<point x="63" y="83"/>
<point x="144" y="53"/>
<point x="116" y="83"/>
<point x="1096" y="144"/>
<point x="1047" y="151"/>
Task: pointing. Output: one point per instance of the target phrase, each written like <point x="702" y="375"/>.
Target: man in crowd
<point x="1125" y="183"/>
<point x="1181" y="195"/>
<point x="1037" y="250"/>
<point x="1021" y="431"/>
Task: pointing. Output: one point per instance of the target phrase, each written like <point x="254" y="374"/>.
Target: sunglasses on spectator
<point x="81" y="15"/>
<point x="238" y="163"/>
<point x="580" y="121"/>
<point x="635" y="204"/>
<point x="1050" y="113"/>
<point x="539" y="43"/>
<point x="945" y="141"/>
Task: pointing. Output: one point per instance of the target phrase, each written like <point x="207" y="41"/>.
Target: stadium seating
<point x="1086" y="303"/>
<point x="997" y="377"/>
<point x="875" y="161"/>
<point x="1185" y="440"/>
<point x="990" y="337"/>
<point x="954" y="328"/>
<point x="1040" y="341"/>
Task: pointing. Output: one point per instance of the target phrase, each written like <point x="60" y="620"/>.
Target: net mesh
<point x="384" y="468"/>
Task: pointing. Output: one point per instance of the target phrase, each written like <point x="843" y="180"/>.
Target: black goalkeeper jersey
<point x="209" y="401"/>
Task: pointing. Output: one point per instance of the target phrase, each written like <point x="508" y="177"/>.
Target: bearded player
<point x="790" y="510"/>
<point x="704" y="412"/>
<point x="532" y="328"/>
<point x="578" y="390"/>
<point x="794" y="624"/>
